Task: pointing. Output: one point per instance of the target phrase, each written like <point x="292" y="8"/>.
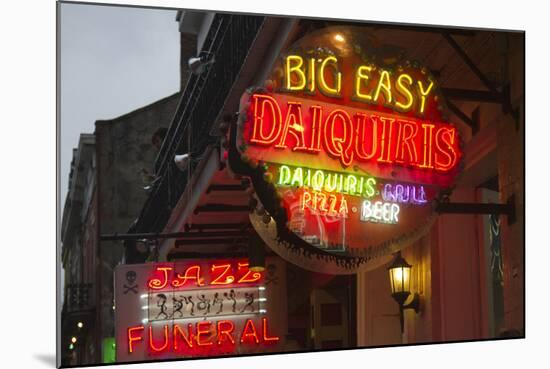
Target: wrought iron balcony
<point x="78" y="298"/>
<point x="229" y="39"/>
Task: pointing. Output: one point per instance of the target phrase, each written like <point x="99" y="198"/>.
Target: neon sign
<point x="198" y="303"/>
<point x="380" y="212"/>
<point x="323" y="204"/>
<point x="192" y="308"/>
<point x="370" y="84"/>
<point x="349" y="135"/>
<point x="192" y="338"/>
<point x="326" y="181"/>
<point x="219" y="274"/>
<point x="348" y="149"/>
<point x="404" y="193"/>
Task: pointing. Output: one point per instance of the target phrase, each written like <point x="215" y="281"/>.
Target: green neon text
<point x="321" y="180"/>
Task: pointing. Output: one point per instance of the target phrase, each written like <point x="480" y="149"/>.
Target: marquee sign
<point x="352" y="149"/>
<point x="195" y="308"/>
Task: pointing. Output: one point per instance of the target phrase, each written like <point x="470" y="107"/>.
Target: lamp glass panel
<point x="400" y="279"/>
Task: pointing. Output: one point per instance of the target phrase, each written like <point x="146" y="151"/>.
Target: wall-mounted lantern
<point x="400" y="281"/>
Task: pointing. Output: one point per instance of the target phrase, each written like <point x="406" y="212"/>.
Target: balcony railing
<point x="229" y="39"/>
<point x="78" y="297"/>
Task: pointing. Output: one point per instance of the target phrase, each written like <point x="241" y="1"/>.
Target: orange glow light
<point x="192" y="273"/>
<point x="132" y="338"/>
<point x="203" y="329"/>
<point x="188" y="339"/>
<point x="227" y="278"/>
<point x="225" y="329"/>
<point x="250" y="276"/>
<point x="249" y="332"/>
<point x="266" y="337"/>
<point x="165" y="336"/>
<point x="160" y="283"/>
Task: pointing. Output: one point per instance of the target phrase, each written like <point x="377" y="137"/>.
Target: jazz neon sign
<point x="201" y="308"/>
<point x="194" y="275"/>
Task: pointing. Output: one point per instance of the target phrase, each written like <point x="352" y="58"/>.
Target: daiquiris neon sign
<point x="356" y="149"/>
<point x="351" y="135"/>
<point x="324" y="193"/>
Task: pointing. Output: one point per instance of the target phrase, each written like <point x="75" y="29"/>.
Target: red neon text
<point x="165" y="338"/>
<point x="351" y="135"/>
<point x="195" y="275"/>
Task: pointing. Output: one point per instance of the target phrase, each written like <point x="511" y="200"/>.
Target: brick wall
<point x="124" y="149"/>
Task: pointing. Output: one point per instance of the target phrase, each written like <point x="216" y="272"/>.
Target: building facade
<point x="201" y="201"/>
<point x="111" y="173"/>
<point x="79" y="238"/>
<point x="467" y="268"/>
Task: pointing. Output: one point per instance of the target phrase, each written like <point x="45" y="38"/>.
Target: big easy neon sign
<point x="355" y="146"/>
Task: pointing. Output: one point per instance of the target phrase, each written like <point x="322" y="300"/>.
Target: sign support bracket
<point x="508" y="209"/>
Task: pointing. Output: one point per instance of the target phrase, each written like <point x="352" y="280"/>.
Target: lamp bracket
<point x="414" y="304"/>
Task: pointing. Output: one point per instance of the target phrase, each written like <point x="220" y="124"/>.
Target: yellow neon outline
<point x="289" y="70"/>
<point x="322" y="83"/>
<point x="358" y="77"/>
<point x="303" y="200"/>
<point x="228" y="278"/>
<point x="297" y="177"/>
<point x="387" y="87"/>
<point x="332" y="206"/>
<point x="265" y="336"/>
<point x="245" y="330"/>
<point x="188" y="339"/>
<point x="424" y="94"/>
<point x="370" y="187"/>
<point x="225" y="332"/>
<point x="312" y="74"/>
<point x="197" y="277"/>
<point x="343" y="206"/>
<point x="201" y="332"/>
<point x="287" y="168"/>
<point x="399" y="85"/>
<point x="156" y="283"/>
<point x="166" y="340"/>
<point x="132" y="339"/>
<point x="315" y="184"/>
